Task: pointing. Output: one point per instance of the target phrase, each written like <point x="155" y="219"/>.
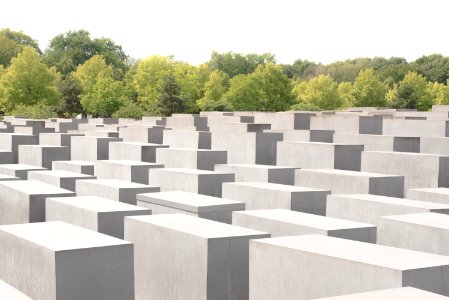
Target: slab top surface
<point x="140" y="144"/>
<point x="190" y="201"/>
<point x="425" y="219"/>
<point x="19" y="167"/>
<point x="126" y="162"/>
<point x="34" y="187"/>
<point x="116" y="183"/>
<point x="62" y="174"/>
<point x="256" y="166"/>
<point x="189" y="171"/>
<point x="76" y="162"/>
<point x="440" y="190"/>
<point x="197" y="226"/>
<point x="58" y="236"/>
<point x="347" y="173"/>
<point x="395" y="153"/>
<point x="394" y="201"/>
<point x="10" y="293"/>
<point x="366" y="253"/>
<point x="275" y="186"/>
<point x="7" y="177"/>
<point x="406" y="293"/>
<point x="304" y="219"/>
<point x="97" y="204"/>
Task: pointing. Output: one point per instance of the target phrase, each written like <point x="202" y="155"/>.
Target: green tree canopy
<point x="276" y="88"/>
<point x="169" y="98"/>
<point x="214" y="88"/>
<point x="149" y="79"/>
<point x="369" y="90"/>
<point x="439" y="92"/>
<point x="88" y="73"/>
<point x="434" y="67"/>
<point x="28" y="82"/>
<point x="245" y="93"/>
<point x="12" y="43"/>
<point x="105" y="97"/>
<point x="412" y="92"/>
<point x="320" y="91"/>
<point x="67" y="51"/>
<point x="235" y="64"/>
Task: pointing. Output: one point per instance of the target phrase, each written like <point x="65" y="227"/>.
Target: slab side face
<point x="96" y="273"/>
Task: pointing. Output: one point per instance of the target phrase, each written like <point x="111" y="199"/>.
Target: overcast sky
<point x="317" y="30"/>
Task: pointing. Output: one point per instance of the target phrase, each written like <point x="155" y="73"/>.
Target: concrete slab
<point x="77" y="166"/>
<point x="99" y="214"/>
<point x="314" y="266"/>
<point x="282" y="222"/>
<point x="42" y="155"/>
<point x="351" y="182"/>
<point x="420" y="170"/>
<point x="91" y="148"/>
<point x="408" y="293"/>
<point x="368" y="208"/>
<point x="10" y="293"/>
<point x="117" y="190"/>
<point x="134" y="151"/>
<point x="212" y="208"/>
<point x="426" y="232"/>
<point x="63" y="179"/>
<point x="190" y="180"/>
<point x="213" y="257"/>
<point x="262" y="195"/>
<point x="437" y="195"/>
<point x="319" y="155"/>
<point x="128" y="170"/>
<point x="65" y="262"/>
<point x="202" y="159"/>
<point x="261" y="173"/>
<point x="18" y="170"/>
<point x="23" y="201"/>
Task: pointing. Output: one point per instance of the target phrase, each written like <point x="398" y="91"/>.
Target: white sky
<point x="317" y="30"/>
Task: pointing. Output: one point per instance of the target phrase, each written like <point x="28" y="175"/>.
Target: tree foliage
<point x="67" y="51"/>
<point x="412" y="92"/>
<point x="369" y="90"/>
<point x="149" y="79"/>
<point x="170" y="101"/>
<point x="245" y="93"/>
<point x="105" y="97"/>
<point x="29" y="82"/>
<point x="214" y="88"/>
<point x="235" y="64"/>
<point x="320" y="91"/>
<point x="12" y="43"/>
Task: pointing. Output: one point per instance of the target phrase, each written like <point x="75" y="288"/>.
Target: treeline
<point x="79" y="74"/>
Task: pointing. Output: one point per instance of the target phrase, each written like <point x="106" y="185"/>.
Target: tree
<point x="105" y="97"/>
<point x="88" y="73"/>
<point x="434" y="67"/>
<point x="190" y="80"/>
<point x="276" y="88"/>
<point x="345" y="92"/>
<point x="300" y="69"/>
<point x="412" y="92"/>
<point x="169" y="100"/>
<point x="369" y="90"/>
<point x="245" y="93"/>
<point x="439" y="92"/>
<point x="320" y="91"/>
<point x="29" y="82"/>
<point x="71" y="90"/>
<point x="235" y="64"/>
<point x="67" y="51"/>
<point x="149" y="79"/>
<point x="216" y="85"/>
<point x="344" y="71"/>
<point x="12" y="43"/>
